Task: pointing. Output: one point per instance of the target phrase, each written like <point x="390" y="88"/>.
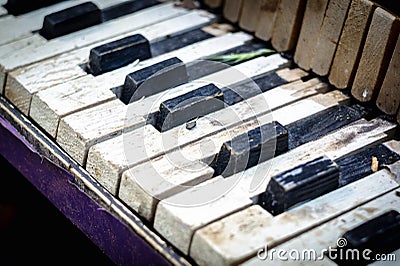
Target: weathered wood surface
<point x="232" y="9"/>
<point x="250" y="14"/>
<point x="266" y="19"/>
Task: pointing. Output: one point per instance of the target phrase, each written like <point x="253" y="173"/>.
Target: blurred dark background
<point x="33" y="231"/>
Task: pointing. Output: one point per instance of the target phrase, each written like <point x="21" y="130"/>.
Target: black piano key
<point x="302" y="183"/>
<point x="321" y="123"/>
<point x="153" y="79"/>
<point x="18" y="7"/>
<point x="70" y="19"/>
<point x="118" y="53"/>
<point x="356" y="166"/>
<point x="380" y="235"/>
<point x="178" y="41"/>
<point x="184" y="108"/>
<point x="126" y="8"/>
<point x="241" y="91"/>
<point x="249" y="149"/>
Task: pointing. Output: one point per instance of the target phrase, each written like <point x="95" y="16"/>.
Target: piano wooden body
<point x="166" y="168"/>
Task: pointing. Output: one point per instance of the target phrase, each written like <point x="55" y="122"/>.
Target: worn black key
<point x="184" y="108"/>
<point x="70" y="19"/>
<point x="380" y="235"/>
<point x="18" y="7"/>
<point x="118" y="53"/>
<point x="153" y="79"/>
<point x="356" y="166"/>
<point x="302" y="183"/>
<point x="321" y="123"/>
<point x="249" y="149"/>
<point x="126" y="8"/>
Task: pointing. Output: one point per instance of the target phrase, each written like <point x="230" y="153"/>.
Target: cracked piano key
<point x="329" y="35"/>
<point x="35" y="51"/>
<point x="327" y="234"/>
<point x="89" y="91"/>
<point x="143" y="199"/>
<point x="376" y="55"/>
<point x="154" y="79"/>
<point x="360" y="164"/>
<point x="313" y="16"/>
<point x="247" y="150"/>
<point x="196" y="103"/>
<point x="104" y="163"/>
<point x="349" y="48"/>
<point x="118" y="53"/>
<point x="300" y="184"/>
<point x="24" y="82"/>
<point x="70" y="19"/>
<point x="319" y="124"/>
<point x="183" y="222"/>
<point x="229" y="246"/>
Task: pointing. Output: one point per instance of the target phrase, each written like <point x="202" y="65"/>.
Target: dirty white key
<point x="142" y="194"/>
<point x="35" y="52"/>
<point x="3" y="11"/>
<point x="178" y="224"/>
<point x="326" y="235"/>
<point x="226" y="241"/>
<point x="49" y="105"/>
<point x="17" y="27"/>
<point x="99" y="128"/>
<point x="108" y="159"/>
<point x="26" y="81"/>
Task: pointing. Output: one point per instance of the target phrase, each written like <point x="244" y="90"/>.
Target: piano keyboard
<point x="291" y="148"/>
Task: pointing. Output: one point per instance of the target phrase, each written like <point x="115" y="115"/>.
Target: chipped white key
<point x="178" y="224"/>
<point x="225" y="242"/>
<point x="327" y="234"/>
<point x="108" y="159"/>
<point x="142" y="195"/>
<point x="35" y="52"/>
<point x="26" y="81"/>
<point x="49" y="105"/>
<point x="101" y="117"/>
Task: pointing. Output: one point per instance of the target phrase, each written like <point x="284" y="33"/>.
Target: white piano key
<point x="17" y="27"/>
<point x="48" y="106"/>
<point x="183" y="222"/>
<point x="143" y="198"/>
<point x="226" y="242"/>
<point x="26" y="81"/>
<point x="327" y="234"/>
<point x="98" y="129"/>
<point x="108" y="159"/>
<point x="39" y="51"/>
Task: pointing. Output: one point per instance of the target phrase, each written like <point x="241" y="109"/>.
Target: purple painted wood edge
<point x="113" y="237"/>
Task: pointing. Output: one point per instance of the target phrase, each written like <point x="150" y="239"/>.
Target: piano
<point x="214" y="132"/>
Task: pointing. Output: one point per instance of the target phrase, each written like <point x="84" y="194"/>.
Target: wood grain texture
<point x="249" y="15"/>
<point x="376" y="55"/>
<point x="345" y="62"/>
<point x="232" y="9"/>
<point x="266" y="19"/>
<point x="329" y="36"/>
<point x="389" y="95"/>
<point x="312" y="22"/>
<point x="287" y="24"/>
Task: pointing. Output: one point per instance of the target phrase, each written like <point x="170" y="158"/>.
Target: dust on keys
<point x="219" y="142"/>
